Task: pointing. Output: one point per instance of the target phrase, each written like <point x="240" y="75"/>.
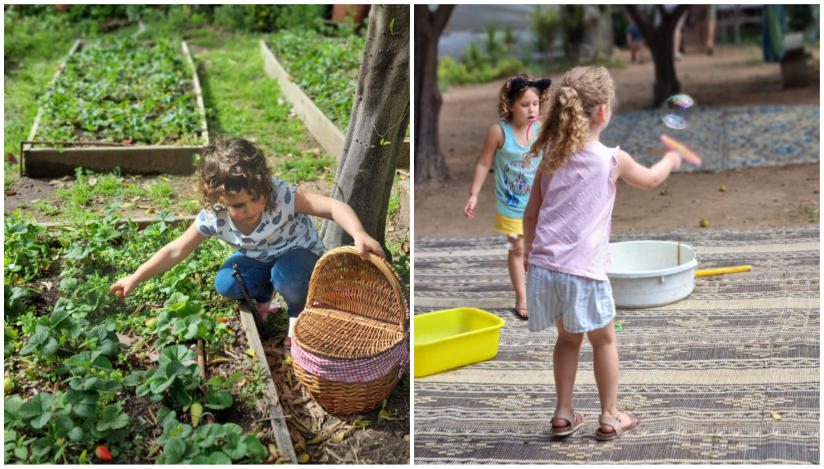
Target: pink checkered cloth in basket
<point x="352" y="371"/>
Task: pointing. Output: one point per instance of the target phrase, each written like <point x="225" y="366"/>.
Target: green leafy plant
<point x="325" y="68"/>
<point x="217" y="393"/>
<point x="122" y="91"/>
<point x="25" y="258"/>
<point x="172" y="375"/>
<point x="209" y="444"/>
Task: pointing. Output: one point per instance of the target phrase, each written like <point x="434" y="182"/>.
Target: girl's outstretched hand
<point x="365" y="243"/>
<point x="469" y="210"/>
<point x="124" y="287"/>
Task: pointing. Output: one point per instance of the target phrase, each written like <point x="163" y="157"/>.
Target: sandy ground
<point x="732" y="77"/>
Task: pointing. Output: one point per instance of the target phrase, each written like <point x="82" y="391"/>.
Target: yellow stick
<point x="723" y="270"/>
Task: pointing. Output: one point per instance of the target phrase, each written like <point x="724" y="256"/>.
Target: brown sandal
<point x="571" y="419"/>
<point x="616" y="424"/>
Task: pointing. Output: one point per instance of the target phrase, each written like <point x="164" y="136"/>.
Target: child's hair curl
<point x="229" y="166"/>
<point x="506" y="101"/>
<point x="572" y="107"/>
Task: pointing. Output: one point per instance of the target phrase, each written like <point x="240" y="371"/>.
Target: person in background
<point x="635" y="41"/>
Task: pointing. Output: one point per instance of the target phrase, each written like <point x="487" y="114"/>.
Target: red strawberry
<point x="160" y="106"/>
<point x="223" y="320"/>
<point x="128" y="142"/>
<point x="168" y="106"/>
<point x="103" y="453"/>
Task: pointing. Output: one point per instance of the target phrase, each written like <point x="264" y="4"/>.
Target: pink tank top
<point x="574" y="223"/>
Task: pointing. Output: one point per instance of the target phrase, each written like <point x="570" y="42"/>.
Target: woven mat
<point x="703" y="374"/>
<point x="724" y="137"/>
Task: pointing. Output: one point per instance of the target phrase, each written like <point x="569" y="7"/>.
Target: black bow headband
<point x="520" y="83"/>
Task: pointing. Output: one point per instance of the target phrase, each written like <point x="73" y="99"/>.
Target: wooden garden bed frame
<point x="134" y="159"/>
<point x="321" y="127"/>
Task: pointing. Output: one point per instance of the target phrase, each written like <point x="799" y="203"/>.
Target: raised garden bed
<point x="133" y="105"/>
<point x="84" y="369"/>
<point x="315" y="111"/>
<point x="103" y="367"/>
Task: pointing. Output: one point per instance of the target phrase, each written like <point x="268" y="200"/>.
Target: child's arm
<point x="342" y="214"/>
<point x="646" y="178"/>
<point x="169" y="256"/>
<point x="494" y="140"/>
<point x="533" y="207"/>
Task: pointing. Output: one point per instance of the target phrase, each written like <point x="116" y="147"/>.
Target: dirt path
<point x="732" y="77"/>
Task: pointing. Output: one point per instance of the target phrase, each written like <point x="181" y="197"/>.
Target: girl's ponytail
<point x="582" y="91"/>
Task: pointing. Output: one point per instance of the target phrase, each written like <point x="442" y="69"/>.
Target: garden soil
<point x="734" y="76"/>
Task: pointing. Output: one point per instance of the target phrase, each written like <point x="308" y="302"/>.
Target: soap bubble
<point x="677" y="111"/>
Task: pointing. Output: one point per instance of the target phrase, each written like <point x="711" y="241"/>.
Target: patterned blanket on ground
<point x="703" y="374"/>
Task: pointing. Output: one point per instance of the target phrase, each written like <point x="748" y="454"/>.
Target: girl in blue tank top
<point x="521" y="99"/>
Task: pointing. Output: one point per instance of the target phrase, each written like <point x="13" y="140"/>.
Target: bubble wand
<point x="682" y="150"/>
<point x="529" y="128"/>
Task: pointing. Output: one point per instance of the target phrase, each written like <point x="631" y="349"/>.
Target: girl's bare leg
<point x="565" y="366"/>
<point x="516" y="271"/>
<point x="605" y="358"/>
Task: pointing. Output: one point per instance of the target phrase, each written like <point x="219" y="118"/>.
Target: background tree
<point x="660" y="41"/>
<point x="380" y="116"/>
<point x="430" y="165"/>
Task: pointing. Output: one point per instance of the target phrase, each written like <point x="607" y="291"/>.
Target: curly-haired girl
<point x="521" y="99"/>
<point x="566" y="232"/>
<point x="264" y="220"/>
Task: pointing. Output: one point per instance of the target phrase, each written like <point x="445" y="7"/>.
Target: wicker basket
<point x="355" y="310"/>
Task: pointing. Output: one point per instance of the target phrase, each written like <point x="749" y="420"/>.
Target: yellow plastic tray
<point x="454" y="337"/>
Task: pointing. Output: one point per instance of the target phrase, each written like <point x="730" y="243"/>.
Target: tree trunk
<point x="366" y="169"/>
<point x="660" y="40"/>
<point x="430" y="165"/>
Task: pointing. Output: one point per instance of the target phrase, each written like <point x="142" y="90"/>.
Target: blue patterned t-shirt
<point x="279" y="231"/>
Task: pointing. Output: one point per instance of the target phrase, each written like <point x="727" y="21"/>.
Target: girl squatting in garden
<point x="521" y="99"/>
<point x="567" y="226"/>
<point x="265" y="220"/>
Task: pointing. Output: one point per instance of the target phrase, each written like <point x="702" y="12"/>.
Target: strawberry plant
<point x="122" y="90"/>
<point x="25" y="257"/>
<point x="326" y="68"/>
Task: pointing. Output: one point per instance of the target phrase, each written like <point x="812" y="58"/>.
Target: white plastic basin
<point x="645" y="274"/>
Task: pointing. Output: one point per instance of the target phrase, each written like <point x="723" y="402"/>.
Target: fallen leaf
<point x="126" y="185"/>
<point x="66" y="178"/>
<point x="775" y="415"/>
<point x="303" y="458"/>
<point x="218" y="359"/>
<point x="164" y="179"/>
<point x="338" y="437"/>
<point x="138" y="345"/>
<point x="301" y="426"/>
<point x="149" y="211"/>
<point x="11" y="193"/>
<point x="241" y="383"/>
<point x="251" y="352"/>
<point x="384" y="414"/>
<point x="35" y="201"/>
<point x="92" y="181"/>
<point x="288" y="361"/>
<point x="127" y="205"/>
<point x="315" y="441"/>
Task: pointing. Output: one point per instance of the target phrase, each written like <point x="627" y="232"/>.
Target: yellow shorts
<point x="509" y="226"/>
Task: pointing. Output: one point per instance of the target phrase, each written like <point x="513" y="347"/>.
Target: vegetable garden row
<point x="90" y="364"/>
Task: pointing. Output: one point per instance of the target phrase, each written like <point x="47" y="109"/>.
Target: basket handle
<point x="385" y="268"/>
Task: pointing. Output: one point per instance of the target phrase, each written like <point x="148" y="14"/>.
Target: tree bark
<point x="660" y="41"/>
<point x="430" y="165"/>
<point x="366" y="169"/>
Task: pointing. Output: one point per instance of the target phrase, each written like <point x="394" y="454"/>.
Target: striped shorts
<point x="585" y="304"/>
